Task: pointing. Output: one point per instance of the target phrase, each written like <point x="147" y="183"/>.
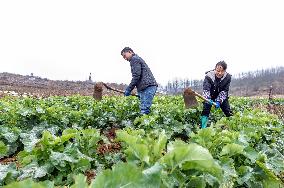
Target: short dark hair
<point x="222" y="64"/>
<point x="126" y="49"/>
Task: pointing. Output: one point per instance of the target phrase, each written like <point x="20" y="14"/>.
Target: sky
<point x="67" y="39"/>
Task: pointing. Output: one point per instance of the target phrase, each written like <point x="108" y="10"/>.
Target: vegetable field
<point x="78" y="142"/>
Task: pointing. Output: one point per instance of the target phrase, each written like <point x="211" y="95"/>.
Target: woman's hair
<point x="222" y="64"/>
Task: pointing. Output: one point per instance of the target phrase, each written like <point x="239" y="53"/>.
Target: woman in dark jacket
<point x="215" y="88"/>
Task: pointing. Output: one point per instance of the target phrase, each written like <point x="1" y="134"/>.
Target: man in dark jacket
<point x="142" y="79"/>
<point x="215" y="88"/>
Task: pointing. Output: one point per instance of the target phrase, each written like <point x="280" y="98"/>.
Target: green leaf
<point x="126" y="175"/>
<point x="83" y="165"/>
<point x="29" y="140"/>
<point x="245" y="174"/>
<point x="197" y="182"/>
<point x="3" y="149"/>
<point x="33" y="170"/>
<point x="153" y="169"/>
<point x="272" y="183"/>
<point x="80" y="181"/>
<point x="251" y="153"/>
<point x="28" y="183"/>
<point x="160" y="145"/>
<point x="204" y="137"/>
<point x="60" y="160"/>
<point x="230" y="174"/>
<point x="232" y="149"/>
<point x="136" y="147"/>
<point x="269" y="180"/>
<point x="9" y="134"/>
<point x="8" y="173"/>
<point x="191" y="156"/>
<point x="67" y="137"/>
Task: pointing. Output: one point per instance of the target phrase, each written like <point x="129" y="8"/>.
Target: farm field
<point x="79" y="142"/>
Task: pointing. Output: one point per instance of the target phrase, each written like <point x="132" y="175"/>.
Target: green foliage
<point x="3" y="149"/>
<point x="127" y="175"/>
<point x="57" y="138"/>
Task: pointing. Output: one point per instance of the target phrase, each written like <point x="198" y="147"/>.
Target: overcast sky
<point x="66" y="39"/>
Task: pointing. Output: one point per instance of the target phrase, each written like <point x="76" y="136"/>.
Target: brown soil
<point x="110" y="134"/>
<point x="277" y="109"/>
<point x="91" y="174"/>
<point x="9" y="160"/>
<point x="109" y="148"/>
<point x="42" y="87"/>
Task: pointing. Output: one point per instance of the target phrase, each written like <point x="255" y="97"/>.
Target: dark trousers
<point x="225" y="106"/>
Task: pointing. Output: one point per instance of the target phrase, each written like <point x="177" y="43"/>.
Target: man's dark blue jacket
<point x="142" y="76"/>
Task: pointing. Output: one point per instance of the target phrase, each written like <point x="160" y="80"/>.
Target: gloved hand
<point x="210" y="101"/>
<point x="127" y="92"/>
<point x="217" y="104"/>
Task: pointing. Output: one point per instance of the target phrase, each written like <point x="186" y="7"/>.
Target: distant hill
<point x="255" y="83"/>
<point x="44" y="87"/>
<point x="259" y="82"/>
